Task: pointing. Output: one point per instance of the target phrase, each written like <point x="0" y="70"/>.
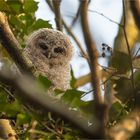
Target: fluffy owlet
<point x="50" y="51"/>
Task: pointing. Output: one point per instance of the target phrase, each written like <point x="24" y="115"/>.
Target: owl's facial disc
<point x="50" y="51"/>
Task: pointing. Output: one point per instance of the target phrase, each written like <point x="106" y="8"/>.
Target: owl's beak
<point x="48" y="55"/>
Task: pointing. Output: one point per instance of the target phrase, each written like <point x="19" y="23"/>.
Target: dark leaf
<point x="73" y="97"/>
<point x="22" y="119"/>
<point x="117" y="111"/>
<point x="73" y="79"/>
<point x="4" y="7"/>
<point x="124" y="89"/>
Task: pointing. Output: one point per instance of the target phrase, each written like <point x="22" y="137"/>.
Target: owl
<point x="50" y="51"/>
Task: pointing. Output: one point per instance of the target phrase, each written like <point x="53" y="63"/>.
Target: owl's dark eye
<point x="43" y="46"/>
<point x="58" y="50"/>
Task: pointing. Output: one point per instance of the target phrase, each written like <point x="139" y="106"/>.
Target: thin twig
<point x="106" y="17"/>
<point x="136" y="53"/>
<point x="76" y="16"/>
<point x="92" y="53"/>
<point x="58" y="20"/>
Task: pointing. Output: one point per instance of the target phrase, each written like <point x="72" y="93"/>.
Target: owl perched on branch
<point x="50" y="51"/>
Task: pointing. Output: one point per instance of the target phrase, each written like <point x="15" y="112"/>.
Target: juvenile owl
<point x="50" y="51"/>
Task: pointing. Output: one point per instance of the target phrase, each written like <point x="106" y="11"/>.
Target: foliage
<point x="21" y="16"/>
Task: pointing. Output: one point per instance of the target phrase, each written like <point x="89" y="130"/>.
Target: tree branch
<point x="12" y="46"/>
<point x="33" y="96"/>
<point x="84" y="54"/>
<point x="83" y="80"/>
<point x="58" y="20"/>
<point x="76" y="16"/>
<point x="93" y="54"/>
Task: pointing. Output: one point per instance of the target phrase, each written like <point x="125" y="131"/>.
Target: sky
<point x="102" y="30"/>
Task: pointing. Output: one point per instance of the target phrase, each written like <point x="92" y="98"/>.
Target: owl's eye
<point x="43" y="46"/>
<point x="58" y="50"/>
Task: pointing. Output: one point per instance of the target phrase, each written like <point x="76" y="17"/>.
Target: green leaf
<point x="27" y="19"/>
<point x="68" y="137"/>
<point x="73" y="97"/>
<point x="30" y="6"/>
<point x="45" y="82"/>
<point x="58" y="91"/>
<point x="40" y="23"/>
<point x="89" y="107"/>
<point x="15" y="21"/>
<point x="10" y="109"/>
<point x="22" y="119"/>
<point x="15" y="6"/>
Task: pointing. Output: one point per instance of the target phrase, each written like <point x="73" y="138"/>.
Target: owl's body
<point x="50" y="51"/>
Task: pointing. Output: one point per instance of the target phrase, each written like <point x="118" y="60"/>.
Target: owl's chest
<point x="60" y="76"/>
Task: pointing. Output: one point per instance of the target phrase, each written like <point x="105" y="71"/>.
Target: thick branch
<point x="93" y="54"/>
<point x="12" y="46"/>
<point x="33" y="96"/>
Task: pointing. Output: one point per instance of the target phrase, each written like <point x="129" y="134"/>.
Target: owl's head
<point x="50" y="46"/>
